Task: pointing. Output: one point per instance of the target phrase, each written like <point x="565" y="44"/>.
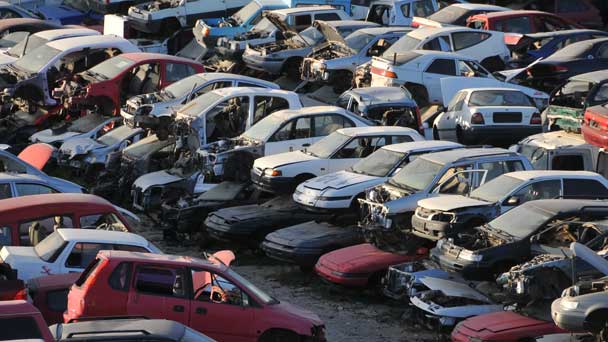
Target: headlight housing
<point x="470" y="255"/>
<point x="272" y="172"/>
<point x="569" y="305"/>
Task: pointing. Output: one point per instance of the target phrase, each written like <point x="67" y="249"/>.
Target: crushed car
<point x="90" y="126"/>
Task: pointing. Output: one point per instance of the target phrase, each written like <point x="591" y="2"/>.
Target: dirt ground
<point x="349" y="315"/>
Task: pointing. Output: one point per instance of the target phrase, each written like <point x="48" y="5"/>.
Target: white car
<point x="340" y="190"/>
<point x="69" y="250"/>
<point x="338" y="151"/>
<point x="486" y="47"/>
<point x="90" y="126"/>
<point x="488" y="114"/>
<point x="399" y="12"/>
<point x="423" y="72"/>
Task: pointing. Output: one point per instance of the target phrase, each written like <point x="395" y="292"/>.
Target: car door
<point x="353" y="151"/>
<point x="78" y="255"/>
<point x="221" y="309"/>
<point x="445" y="124"/>
<point x="159" y="291"/>
<point x="292" y="136"/>
<point x="437" y="69"/>
<point x="545" y="189"/>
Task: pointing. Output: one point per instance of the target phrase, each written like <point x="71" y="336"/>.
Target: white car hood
<point x="155" y="178"/>
<point x="23" y="259"/>
<point x="338" y="180"/>
<point x="76" y="146"/>
<point x="449" y="202"/>
<point x="282" y="159"/>
<point x="6" y="59"/>
<point x="453" y="288"/>
<point x="47" y="136"/>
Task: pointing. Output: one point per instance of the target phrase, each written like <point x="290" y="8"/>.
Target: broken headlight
<point x="470" y="255"/>
<point x="569" y="305"/>
<point x="443" y="217"/>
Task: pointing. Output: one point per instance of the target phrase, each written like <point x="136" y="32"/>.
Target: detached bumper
<point x="277" y="185"/>
<point x="306" y="257"/>
<point x="502" y="132"/>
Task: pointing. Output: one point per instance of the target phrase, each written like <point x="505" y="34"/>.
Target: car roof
<point x="443" y="54"/>
<point x="450" y="156"/>
<point x="515" y="13"/>
<point x="427" y="31"/>
<point x="7" y="23"/>
<point x="179" y="260"/>
<point x="287" y="11"/>
<point x="381" y="94"/>
<point x="558" y="206"/>
<point x="482" y="7"/>
<point x="553" y="140"/>
<point x="58" y="33"/>
<point x="65" y="199"/>
<point x="17" y="308"/>
<point x="539" y="174"/>
<point x="582" y="45"/>
<point x="111" y="328"/>
<point x="594" y="76"/>
<point x="491" y="88"/>
<point x="422" y="145"/>
<point x="103" y="236"/>
<point x="384" y="30"/>
<point x="350" y="23"/>
<point x="146" y="56"/>
<point x="211" y="76"/>
<point x="564" y="33"/>
<point x="65" y="44"/>
<point x="14" y="177"/>
<point x="286" y="114"/>
<point x="376" y="130"/>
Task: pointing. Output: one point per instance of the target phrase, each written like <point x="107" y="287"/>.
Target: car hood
<point x="249" y="212"/>
<point x="154" y="179"/>
<point x="338" y="180"/>
<point x="501" y="321"/>
<point x="306" y="233"/>
<point x="47" y="136"/>
<point x="453" y="288"/>
<point x="450" y="202"/>
<point x="6" y="59"/>
<point x="282" y="159"/>
<point x="37" y="155"/>
<point x="76" y="146"/>
<point x="280" y="24"/>
<point x="296" y="312"/>
<point x="362" y="258"/>
<point x="329" y="32"/>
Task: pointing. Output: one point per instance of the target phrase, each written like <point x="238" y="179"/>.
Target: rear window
<point x="19" y="328"/>
<point x="87" y="272"/>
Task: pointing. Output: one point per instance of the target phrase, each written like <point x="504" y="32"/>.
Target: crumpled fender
<point x="37" y="155"/>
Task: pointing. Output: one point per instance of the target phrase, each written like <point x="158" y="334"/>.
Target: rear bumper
<point x="340" y="278"/>
<point x="595" y="136"/>
<point x="511" y="132"/>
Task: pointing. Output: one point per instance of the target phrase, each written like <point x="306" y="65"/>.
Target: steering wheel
<point x="216" y="290"/>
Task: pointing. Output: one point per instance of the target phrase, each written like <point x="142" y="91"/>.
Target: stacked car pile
<point x="352" y="138"/>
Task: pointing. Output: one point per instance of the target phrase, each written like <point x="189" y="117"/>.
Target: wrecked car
<point x="13" y="30"/>
<point x="90" y="126"/>
<point x="334" y="61"/>
<point x="568" y="103"/>
<point x="31" y="160"/>
<point x="105" y="87"/>
<point x="400" y="12"/>
<point x="281" y="173"/>
<point x="155" y="110"/>
<point x="387" y="209"/>
<point x="249" y="224"/>
<point x="27" y="82"/>
<point x="24" y="184"/>
<point x="303" y="244"/>
<point x="447" y="302"/>
<point x="90" y="155"/>
<point x="284" y="56"/>
<point x="447" y="216"/>
<point x="455" y="15"/>
<point x="338" y="192"/>
<point x="516" y="236"/>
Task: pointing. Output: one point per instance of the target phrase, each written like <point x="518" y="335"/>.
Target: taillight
<point x="382" y="72"/>
<point x="535" y="119"/>
<point x="477" y="119"/>
<point x="415" y="24"/>
<point x="21" y="294"/>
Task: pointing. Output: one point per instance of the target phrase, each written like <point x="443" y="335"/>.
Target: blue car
<point x="70" y="12"/>
<point x="542" y="45"/>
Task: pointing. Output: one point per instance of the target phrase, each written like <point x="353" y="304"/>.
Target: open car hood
<point x="590" y="257"/>
<point x="329" y="32"/>
<point x="37" y="155"/>
<point x="225" y="256"/>
<point x="279" y="23"/>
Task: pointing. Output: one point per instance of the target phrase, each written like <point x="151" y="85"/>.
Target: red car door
<point x="220" y="309"/>
<point x="159" y="292"/>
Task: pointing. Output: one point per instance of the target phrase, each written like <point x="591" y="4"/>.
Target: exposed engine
<point x="160" y="5"/>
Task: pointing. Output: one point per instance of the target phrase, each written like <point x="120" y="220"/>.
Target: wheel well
<point x="268" y="334"/>
<point x="595" y="319"/>
<point x="354" y="202"/>
<point x="303" y="176"/>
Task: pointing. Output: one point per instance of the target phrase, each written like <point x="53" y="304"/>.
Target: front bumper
<point x="277" y="185"/>
<point x="571" y="320"/>
<point x="311" y="202"/>
<point x="432" y="230"/>
<point x="502" y="132"/>
<point x="260" y="63"/>
<point x="143" y="25"/>
<point x="328" y="273"/>
<point x="469" y="269"/>
<point x="306" y="257"/>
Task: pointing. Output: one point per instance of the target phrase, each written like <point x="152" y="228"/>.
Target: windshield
<point x="12" y="39"/>
<point x="404" y="44"/>
<point x="448" y="15"/>
<point x="521" y="221"/>
<point x="145" y="146"/>
<point x="494" y="190"/>
<point x="499" y="98"/>
<point x="261" y="295"/>
<point x="358" y="40"/>
<point x="326" y="146"/>
<point x="246" y="12"/>
<point x="116" y="135"/>
<point x="26" y="45"/>
<point x="184" y="87"/>
<point x="536" y="155"/>
<point x="265" y="127"/>
<point x="379" y="163"/>
<point x="48" y="247"/>
<point x="572" y="94"/>
<point x="194" y="108"/>
<point x="36" y="59"/>
<point x="86" y="123"/>
<point x="264" y="25"/>
<point x="112" y="67"/>
<point x="311" y="36"/>
<point x="416" y="175"/>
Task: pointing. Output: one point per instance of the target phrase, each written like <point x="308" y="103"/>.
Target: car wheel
<point x="279" y="335"/>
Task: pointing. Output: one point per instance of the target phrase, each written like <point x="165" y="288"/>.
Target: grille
<point x="506" y="117"/>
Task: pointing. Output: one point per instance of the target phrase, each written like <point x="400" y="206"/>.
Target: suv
<point x="206" y="294"/>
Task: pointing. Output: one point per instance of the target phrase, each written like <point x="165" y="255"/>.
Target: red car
<point x="50" y="295"/>
<point x="70" y="210"/>
<point x="595" y="125"/>
<point x="517" y="23"/>
<point x="502" y="326"/>
<point x="206" y="295"/>
<point x="106" y="86"/>
<point x="582" y="12"/>
<point x="361" y="265"/>
<point x="20" y="320"/>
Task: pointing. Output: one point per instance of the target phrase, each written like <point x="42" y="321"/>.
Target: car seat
<point x="35" y="233"/>
<point x="137" y="79"/>
<point x="152" y="80"/>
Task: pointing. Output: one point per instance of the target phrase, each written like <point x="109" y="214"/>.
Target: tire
<point x="279" y="335"/>
<point x="419" y="94"/>
<point x="460" y="135"/>
<point x="436" y="133"/>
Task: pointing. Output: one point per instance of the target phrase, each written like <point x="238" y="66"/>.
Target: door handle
<point x="178" y="308"/>
<point x="201" y="311"/>
<point x="305" y="145"/>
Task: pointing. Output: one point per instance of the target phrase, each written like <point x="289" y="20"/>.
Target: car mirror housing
<point x="513" y="200"/>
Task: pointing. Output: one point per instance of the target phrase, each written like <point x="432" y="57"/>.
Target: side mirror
<point x="513" y="200"/>
<point x="534" y="239"/>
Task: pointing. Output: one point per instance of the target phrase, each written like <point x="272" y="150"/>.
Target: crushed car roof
<point x="70" y="32"/>
<point x="314" y="110"/>
<point x="381" y="94"/>
<point x="428" y="31"/>
<point x="553" y="140"/>
<point x="445" y="157"/>
<point x="68" y="43"/>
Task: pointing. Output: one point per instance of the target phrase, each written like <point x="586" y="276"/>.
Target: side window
<point x="601" y="95"/>
<point x="521" y="25"/>
<point x="247" y="84"/>
<point x="284" y="133"/>
<point x="497" y="168"/>
<point x="210" y="87"/>
<point x="26" y="189"/>
<point x="463" y="40"/>
<point x="602" y="164"/>
<point x="129" y="248"/>
<point x="602" y="52"/>
<point x="326" y="124"/>
<point x="264" y="105"/>
<point x="213" y="288"/>
<point x="83" y="253"/>
<point x="405" y="10"/>
<point x="423" y="8"/>
<point x="360" y="147"/>
<point x="479" y="25"/>
<point x="584" y="188"/>
<point x="302" y="21"/>
<point x="303" y="129"/>
<point x="178" y="71"/>
<point x="121" y="276"/>
<point x="57" y="300"/>
<point x="327" y="16"/>
<point x="108" y="221"/>
<point x="441" y="43"/>
<point x="455" y="181"/>
<point x="19" y="328"/>
<point x="539" y="190"/>
<point x="442" y="67"/>
<point x="41" y="227"/>
<point x="572" y="162"/>
<point x="5" y="191"/>
<point x="6" y="236"/>
<point x="397" y="139"/>
<point x="8" y="14"/>
<point x="342" y="101"/>
<point x="160" y="281"/>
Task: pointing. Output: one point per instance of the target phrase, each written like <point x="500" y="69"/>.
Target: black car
<point x="536" y="227"/>
<point x="148" y="330"/>
<point x="304" y="243"/>
<point x="574" y="59"/>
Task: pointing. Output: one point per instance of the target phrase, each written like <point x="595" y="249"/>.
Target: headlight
<point x="469" y="255"/>
<point x="568" y="305"/>
<point x="205" y="31"/>
<point x="272" y="172"/>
